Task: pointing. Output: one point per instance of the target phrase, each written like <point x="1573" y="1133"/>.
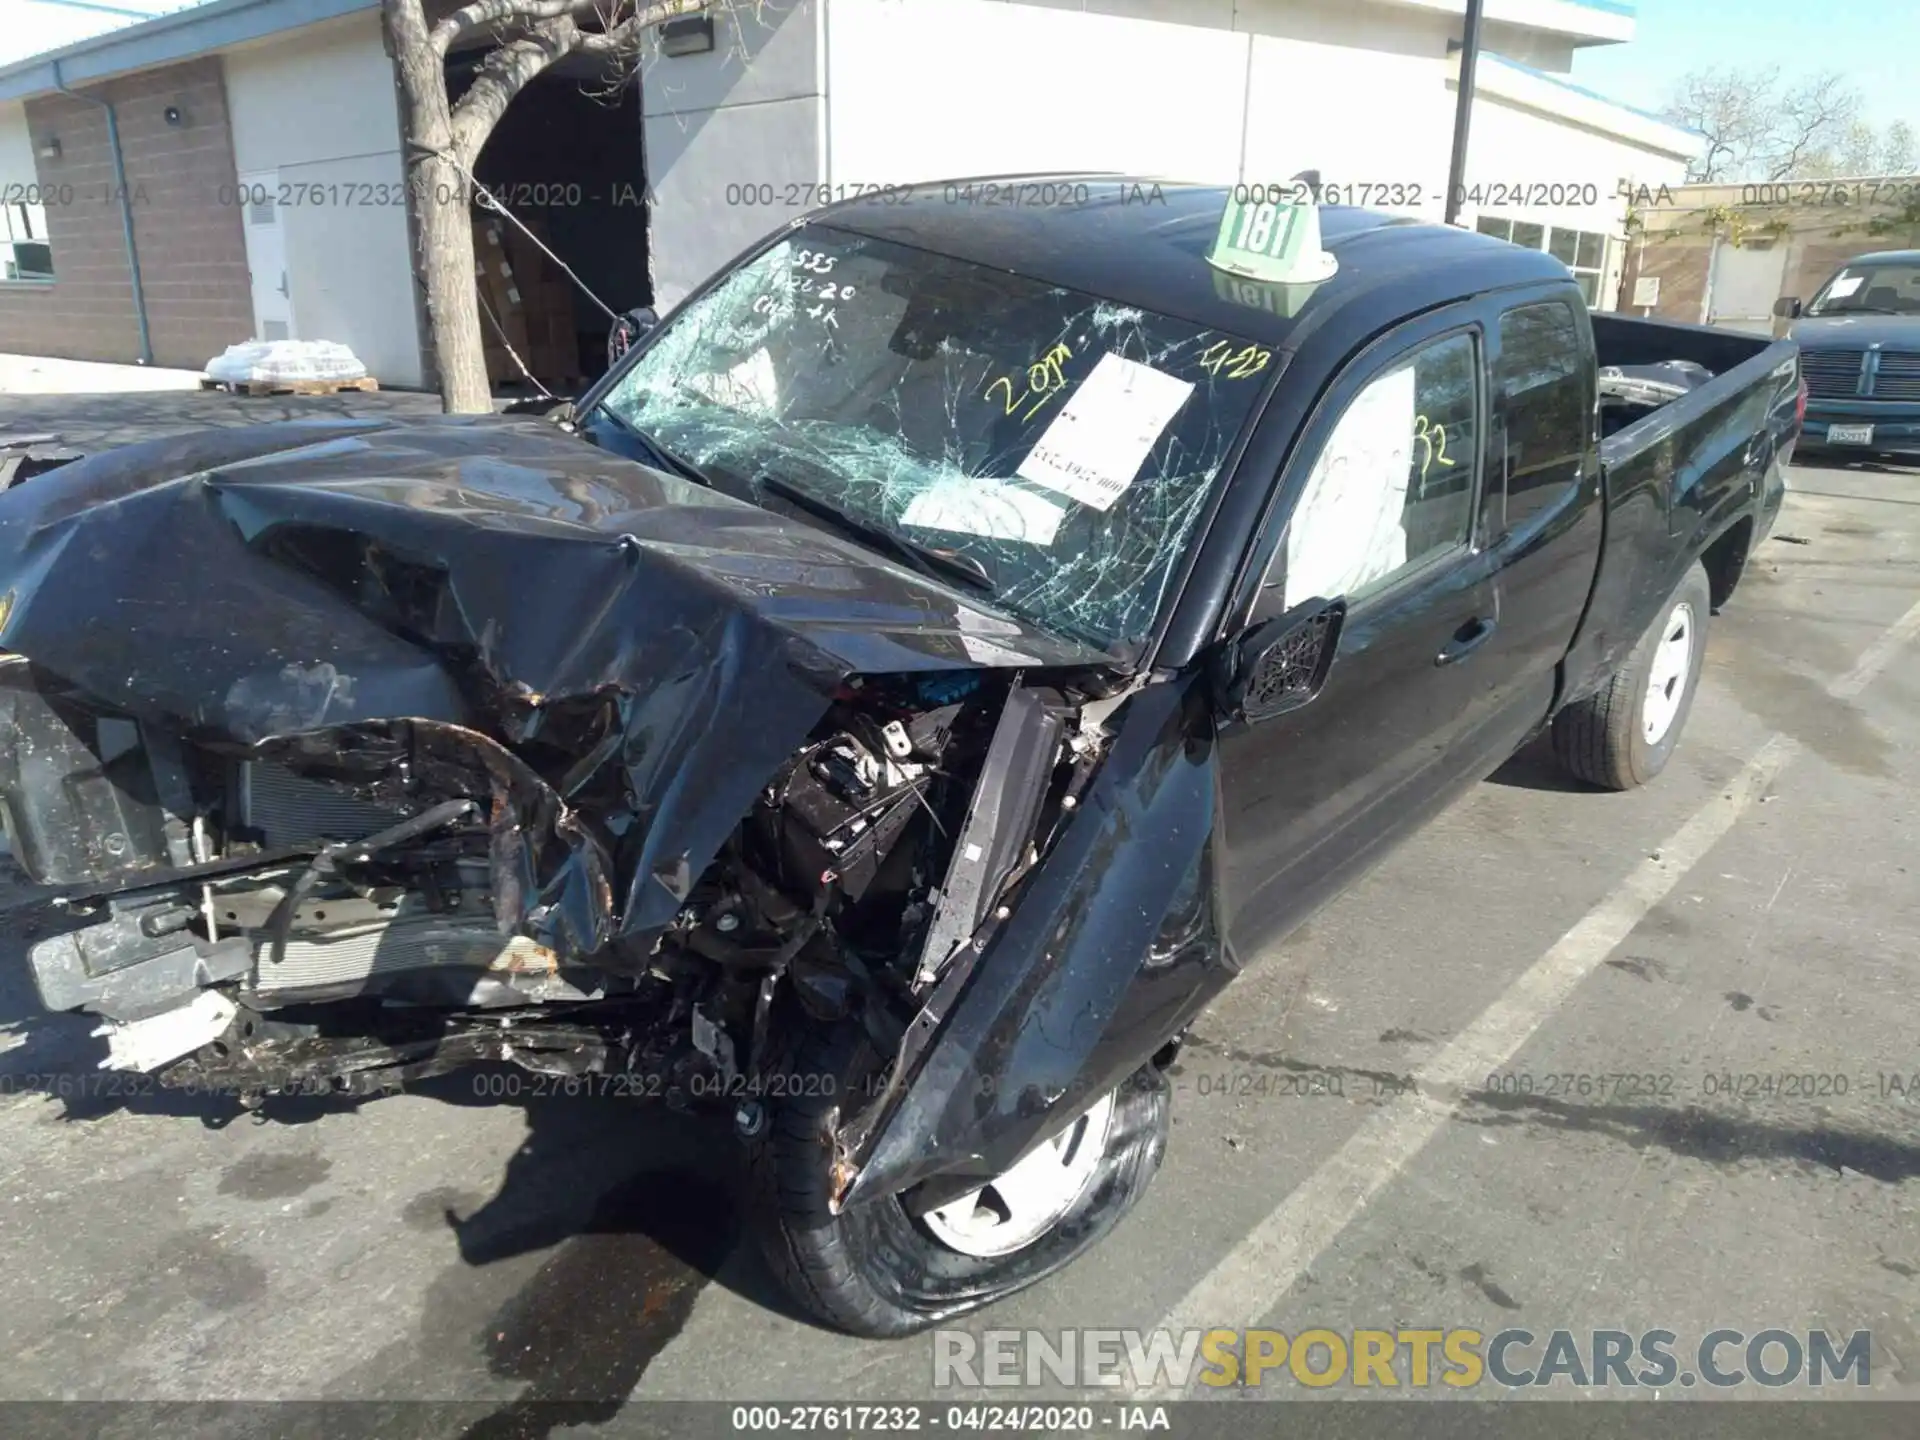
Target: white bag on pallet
<point x="277" y="361"/>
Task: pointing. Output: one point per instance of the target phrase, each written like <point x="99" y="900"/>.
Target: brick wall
<point x="193" y="261"/>
<point x="1680" y="263"/>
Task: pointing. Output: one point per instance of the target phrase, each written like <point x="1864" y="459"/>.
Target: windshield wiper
<point x="927" y="559"/>
<point x="657" y="454"/>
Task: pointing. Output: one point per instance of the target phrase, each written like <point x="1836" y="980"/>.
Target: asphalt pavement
<point x="1417" y="1111"/>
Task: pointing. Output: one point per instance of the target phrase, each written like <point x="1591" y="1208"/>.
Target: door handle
<point x="1467" y="639"/>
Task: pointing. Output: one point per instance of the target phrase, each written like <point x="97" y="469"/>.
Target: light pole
<point x="1463" y="112"/>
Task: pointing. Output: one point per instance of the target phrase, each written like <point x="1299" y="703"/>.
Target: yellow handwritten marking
<point x="1220" y="357"/>
<point x="1046" y="378"/>
<point x="1432" y="439"/>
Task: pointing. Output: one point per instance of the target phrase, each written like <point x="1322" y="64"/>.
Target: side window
<point x="1393" y="485"/>
<point x="1541" y="382"/>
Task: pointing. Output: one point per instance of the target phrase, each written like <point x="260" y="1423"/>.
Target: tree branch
<point x="624" y="38"/>
<point x="1814" y="117"/>
<point x="482" y="13"/>
<point x="619" y="37"/>
<point x="501" y="76"/>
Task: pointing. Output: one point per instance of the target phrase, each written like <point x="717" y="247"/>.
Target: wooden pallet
<point x="288" y="387"/>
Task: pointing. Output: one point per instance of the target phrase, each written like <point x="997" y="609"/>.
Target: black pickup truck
<point x="886" y="710"/>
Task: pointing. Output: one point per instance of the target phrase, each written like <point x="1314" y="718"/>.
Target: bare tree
<point x="1815" y="121"/>
<point x="1899" y="154"/>
<point x="522" y="38"/>
<point x="1732" y="109"/>
<point x="1758" y="128"/>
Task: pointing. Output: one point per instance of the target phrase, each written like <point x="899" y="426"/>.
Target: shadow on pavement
<point x="1711" y="1136"/>
<point x="1534" y="767"/>
<point x="649" y="1214"/>
<point x="609" y="1221"/>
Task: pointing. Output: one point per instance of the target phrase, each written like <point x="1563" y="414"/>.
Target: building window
<point x="24" y="252"/>
<point x="1584" y="252"/>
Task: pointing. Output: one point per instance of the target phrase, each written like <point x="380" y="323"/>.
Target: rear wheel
<point x="1623" y="736"/>
<point x="878" y="1270"/>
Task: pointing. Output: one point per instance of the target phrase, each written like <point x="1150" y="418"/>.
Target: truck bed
<point x="1683" y="471"/>
<point x="1647" y="364"/>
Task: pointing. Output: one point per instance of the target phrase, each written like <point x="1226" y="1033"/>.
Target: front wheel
<point x="878" y="1270"/>
<point x="1623" y="735"/>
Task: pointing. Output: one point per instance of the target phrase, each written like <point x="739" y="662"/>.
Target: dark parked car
<point x="901" y="697"/>
<point x="1859" y="340"/>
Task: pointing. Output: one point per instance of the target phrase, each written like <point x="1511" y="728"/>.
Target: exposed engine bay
<point x="258" y="920"/>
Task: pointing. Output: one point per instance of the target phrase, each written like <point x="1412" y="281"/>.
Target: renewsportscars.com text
<point x="1400" y="1358"/>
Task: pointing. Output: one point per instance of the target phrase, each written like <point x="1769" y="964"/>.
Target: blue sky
<point x="1875" y="43"/>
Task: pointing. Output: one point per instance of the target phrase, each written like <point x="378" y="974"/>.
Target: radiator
<point x="292" y="811"/>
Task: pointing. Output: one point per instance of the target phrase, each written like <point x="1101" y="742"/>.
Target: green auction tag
<point x="1272" y="241"/>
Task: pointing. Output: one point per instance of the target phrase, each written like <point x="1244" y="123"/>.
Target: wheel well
<point x="1726" y="561"/>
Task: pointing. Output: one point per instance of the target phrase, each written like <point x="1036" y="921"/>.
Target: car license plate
<point x="1850" y="434"/>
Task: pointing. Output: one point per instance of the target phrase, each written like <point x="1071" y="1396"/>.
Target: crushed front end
<point x="467" y="742"/>
<point x="358" y="906"/>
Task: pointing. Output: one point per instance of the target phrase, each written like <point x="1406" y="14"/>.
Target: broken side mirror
<point x="1787" y="307"/>
<point x="1280" y="664"/>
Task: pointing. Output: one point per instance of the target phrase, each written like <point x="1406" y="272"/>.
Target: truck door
<point x="1383" y="501"/>
<point x="1543" y="505"/>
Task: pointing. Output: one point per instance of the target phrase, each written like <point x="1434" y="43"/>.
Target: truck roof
<point x="1140" y="241"/>
<point x="1886" y="257"/>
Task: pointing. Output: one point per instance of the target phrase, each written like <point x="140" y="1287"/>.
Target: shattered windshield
<point x="1061" y="444"/>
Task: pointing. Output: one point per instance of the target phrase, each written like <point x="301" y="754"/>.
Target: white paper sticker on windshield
<point x="1845" y="286"/>
<point x="993" y="508"/>
<point x="1095" y="446"/>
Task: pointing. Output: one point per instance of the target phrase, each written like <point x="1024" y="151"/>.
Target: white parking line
<point x="1251" y="1278"/>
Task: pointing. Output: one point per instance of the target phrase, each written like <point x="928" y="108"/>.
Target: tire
<point x="1615" y="738"/>
<point x="878" y="1272"/>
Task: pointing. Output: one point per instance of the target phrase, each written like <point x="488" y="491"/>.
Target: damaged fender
<point x="1113" y="946"/>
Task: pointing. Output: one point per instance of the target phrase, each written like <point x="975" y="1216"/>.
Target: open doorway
<point x="567" y="161"/>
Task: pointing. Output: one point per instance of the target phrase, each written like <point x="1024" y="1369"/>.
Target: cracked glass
<point x="1065" y="444"/>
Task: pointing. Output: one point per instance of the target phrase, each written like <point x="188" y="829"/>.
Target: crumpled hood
<point x="248" y="585"/>
<point x="1857" y="332"/>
